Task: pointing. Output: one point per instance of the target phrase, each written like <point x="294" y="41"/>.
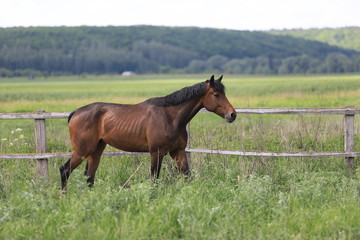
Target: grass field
<point x="67" y="93"/>
<point x="227" y="197"/>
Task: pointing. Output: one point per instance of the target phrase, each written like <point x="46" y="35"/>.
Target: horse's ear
<point x="220" y="78"/>
<point x="212" y="79"/>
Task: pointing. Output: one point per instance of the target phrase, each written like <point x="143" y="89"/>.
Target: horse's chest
<point x="169" y="137"/>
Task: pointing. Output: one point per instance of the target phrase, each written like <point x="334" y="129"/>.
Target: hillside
<point x="347" y="38"/>
<point x="150" y="49"/>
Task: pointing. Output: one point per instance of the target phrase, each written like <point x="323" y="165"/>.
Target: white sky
<point x="229" y="14"/>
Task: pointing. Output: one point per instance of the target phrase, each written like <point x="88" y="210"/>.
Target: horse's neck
<point x="184" y="112"/>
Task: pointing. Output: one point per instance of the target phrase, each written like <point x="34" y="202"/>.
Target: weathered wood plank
<point x="188" y="144"/>
<point x="34" y="156"/>
<point x="297" y="111"/>
<point x="273" y="154"/>
<point x="63" y="155"/>
<point x="34" y="115"/>
<point x="191" y="150"/>
<point x="349" y="143"/>
<point x="42" y="170"/>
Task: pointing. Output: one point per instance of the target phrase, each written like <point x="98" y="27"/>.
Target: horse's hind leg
<point x="68" y="167"/>
<point x="93" y="162"/>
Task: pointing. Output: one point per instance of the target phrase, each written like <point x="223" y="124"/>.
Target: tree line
<point x="302" y="64"/>
<point x="148" y="49"/>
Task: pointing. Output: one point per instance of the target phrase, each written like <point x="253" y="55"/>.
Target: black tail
<point x="70" y="116"/>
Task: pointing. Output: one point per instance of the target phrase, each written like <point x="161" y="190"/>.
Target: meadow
<point x="227" y="197"/>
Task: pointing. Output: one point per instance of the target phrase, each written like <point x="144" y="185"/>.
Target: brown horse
<point x="157" y="125"/>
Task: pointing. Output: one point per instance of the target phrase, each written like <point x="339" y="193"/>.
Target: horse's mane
<point x="185" y="94"/>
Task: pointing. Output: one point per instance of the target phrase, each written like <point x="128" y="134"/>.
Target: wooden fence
<point x="42" y="155"/>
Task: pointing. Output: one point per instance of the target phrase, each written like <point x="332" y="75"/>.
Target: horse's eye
<point x="217" y="95"/>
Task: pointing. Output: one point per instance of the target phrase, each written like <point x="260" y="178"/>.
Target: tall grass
<point x="226" y="197"/>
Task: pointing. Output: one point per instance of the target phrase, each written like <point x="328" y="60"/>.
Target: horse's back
<point x="120" y="125"/>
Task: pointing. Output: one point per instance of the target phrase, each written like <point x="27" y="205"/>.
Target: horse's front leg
<point x="181" y="160"/>
<point x="156" y="160"/>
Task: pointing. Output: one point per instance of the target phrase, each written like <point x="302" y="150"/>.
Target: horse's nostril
<point x="233" y="115"/>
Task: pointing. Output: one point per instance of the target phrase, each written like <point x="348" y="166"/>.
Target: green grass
<point x="275" y="201"/>
<point x="67" y="93"/>
<point x="227" y="197"/>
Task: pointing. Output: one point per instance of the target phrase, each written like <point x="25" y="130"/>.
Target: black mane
<point x="185" y="94"/>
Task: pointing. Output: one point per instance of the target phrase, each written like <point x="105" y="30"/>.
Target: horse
<point x="157" y="126"/>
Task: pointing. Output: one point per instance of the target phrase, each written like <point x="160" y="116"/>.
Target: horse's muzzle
<point x="230" y="117"/>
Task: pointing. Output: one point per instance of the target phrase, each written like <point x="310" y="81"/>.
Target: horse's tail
<point x="70" y="116"/>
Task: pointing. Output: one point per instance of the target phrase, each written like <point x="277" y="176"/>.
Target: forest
<point x="346" y="37"/>
<point x="46" y="51"/>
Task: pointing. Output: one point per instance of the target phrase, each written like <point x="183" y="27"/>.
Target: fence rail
<point x="298" y="111"/>
<point x="42" y="155"/>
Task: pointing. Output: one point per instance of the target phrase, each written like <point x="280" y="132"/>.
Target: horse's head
<point x="216" y="101"/>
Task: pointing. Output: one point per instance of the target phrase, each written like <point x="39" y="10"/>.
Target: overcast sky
<point x="229" y="14"/>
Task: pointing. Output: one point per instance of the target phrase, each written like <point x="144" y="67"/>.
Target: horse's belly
<point x="128" y="142"/>
<point x="125" y="146"/>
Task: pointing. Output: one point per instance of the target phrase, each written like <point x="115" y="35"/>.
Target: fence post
<point x="42" y="170"/>
<point x="349" y="137"/>
<point x="188" y="155"/>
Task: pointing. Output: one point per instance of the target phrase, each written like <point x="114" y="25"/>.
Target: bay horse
<point x="157" y="126"/>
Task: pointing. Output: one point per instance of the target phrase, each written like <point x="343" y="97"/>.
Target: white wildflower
<point x="18" y="130"/>
<point x="11" y="144"/>
<point x="3" y="139"/>
<point x="214" y="209"/>
<point x="16" y="139"/>
<point x="12" y="132"/>
<point x="21" y="136"/>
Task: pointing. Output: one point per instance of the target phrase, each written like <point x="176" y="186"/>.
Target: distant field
<point x="68" y="93"/>
<point x="227" y="196"/>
